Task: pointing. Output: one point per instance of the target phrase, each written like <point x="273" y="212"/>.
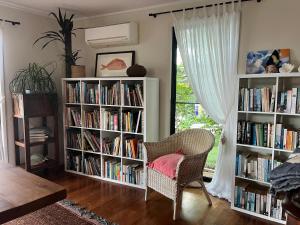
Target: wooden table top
<point x="22" y="192"/>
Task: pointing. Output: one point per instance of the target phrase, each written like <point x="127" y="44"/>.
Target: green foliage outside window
<point x="186" y="116"/>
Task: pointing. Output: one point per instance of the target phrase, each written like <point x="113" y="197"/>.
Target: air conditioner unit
<point x="113" y="35"/>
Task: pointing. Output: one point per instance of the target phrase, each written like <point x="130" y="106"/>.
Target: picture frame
<point x="266" y="61"/>
<point x="113" y="64"/>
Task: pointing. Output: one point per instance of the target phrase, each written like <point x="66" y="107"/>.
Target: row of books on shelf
<point x="287" y="138"/>
<point x="253" y="167"/>
<point x="111" y="147"/>
<point x="263" y="204"/>
<point x="134" y="148"/>
<point x="132" y="121"/>
<point x="90" y="93"/>
<point x="132" y="95"/>
<point x="73" y="117"/>
<point x="257" y="99"/>
<point x="112" y="169"/>
<point x="92" y="166"/>
<point x="39" y="134"/>
<point x="91" y="119"/>
<point x="91" y="142"/>
<point x="73" y="92"/>
<point x="289" y="101"/>
<point x="110" y="95"/>
<point x="74" y="140"/>
<point x="133" y="174"/>
<point x="74" y="162"/>
<point x="258" y="134"/>
<point x="114" y="94"/>
<point x="107" y="120"/>
<point x="110" y="120"/>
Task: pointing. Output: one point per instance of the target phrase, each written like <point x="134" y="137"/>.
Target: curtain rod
<point x="198" y="7"/>
<point x="10" y="21"/>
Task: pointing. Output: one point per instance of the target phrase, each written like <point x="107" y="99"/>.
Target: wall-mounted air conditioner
<point x="113" y="35"/>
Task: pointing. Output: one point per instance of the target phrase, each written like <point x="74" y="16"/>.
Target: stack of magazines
<point x="39" y="134"/>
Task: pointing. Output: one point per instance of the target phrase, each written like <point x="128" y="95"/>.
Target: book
<point x="91" y="93"/>
<point x="92" y="166"/>
<point x="294" y="101"/>
<point x="133" y="95"/>
<point x="110" y="94"/>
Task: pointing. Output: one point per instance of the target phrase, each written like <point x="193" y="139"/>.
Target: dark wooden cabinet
<point x="29" y="106"/>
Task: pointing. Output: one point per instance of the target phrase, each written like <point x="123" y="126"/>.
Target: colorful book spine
<point x="251" y="133"/>
<point x="286" y="138"/>
<point x="92" y="166"/>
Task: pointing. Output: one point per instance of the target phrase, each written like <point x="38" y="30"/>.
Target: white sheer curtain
<point x="3" y="133"/>
<point x="208" y="46"/>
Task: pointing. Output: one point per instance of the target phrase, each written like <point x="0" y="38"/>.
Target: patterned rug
<point x="62" y="213"/>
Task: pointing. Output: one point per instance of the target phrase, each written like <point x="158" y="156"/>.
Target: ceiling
<point x="84" y="8"/>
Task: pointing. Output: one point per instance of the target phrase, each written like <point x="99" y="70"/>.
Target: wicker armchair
<point x="196" y="144"/>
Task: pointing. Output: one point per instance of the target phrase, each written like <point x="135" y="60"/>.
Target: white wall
<point x="19" y="51"/>
<point x="266" y="25"/>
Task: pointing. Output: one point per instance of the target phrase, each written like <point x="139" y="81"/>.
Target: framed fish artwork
<point x="113" y="64"/>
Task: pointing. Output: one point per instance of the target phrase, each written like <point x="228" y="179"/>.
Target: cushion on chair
<point x="167" y="164"/>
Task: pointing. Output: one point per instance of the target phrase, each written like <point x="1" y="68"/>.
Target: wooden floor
<point x="126" y="206"/>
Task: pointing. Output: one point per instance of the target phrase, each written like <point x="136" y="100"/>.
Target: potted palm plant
<point x="77" y="70"/>
<point x="63" y="35"/>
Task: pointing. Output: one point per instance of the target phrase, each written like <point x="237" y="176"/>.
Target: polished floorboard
<point x="125" y="206"/>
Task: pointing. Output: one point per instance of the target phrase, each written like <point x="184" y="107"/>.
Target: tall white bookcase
<point x="149" y="123"/>
<point x="282" y="82"/>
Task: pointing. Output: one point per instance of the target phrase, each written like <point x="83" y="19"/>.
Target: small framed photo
<point x="113" y="64"/>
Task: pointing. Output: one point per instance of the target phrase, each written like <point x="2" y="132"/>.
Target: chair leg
<point x="205" y="192"/>
<point x="175" y="209"/>
<point x="177" y="205"/>
<point x="146" y="194"/>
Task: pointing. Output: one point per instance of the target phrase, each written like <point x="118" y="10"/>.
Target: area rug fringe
<point x="83" y="212"/>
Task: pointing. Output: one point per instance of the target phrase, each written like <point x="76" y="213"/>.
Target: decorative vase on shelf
<point x="136" y="71"/>
<point x="77" y="71"/>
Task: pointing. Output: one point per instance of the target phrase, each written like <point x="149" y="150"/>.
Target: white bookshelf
<point x="282" y="82"/>
<point x="150" y="122"/>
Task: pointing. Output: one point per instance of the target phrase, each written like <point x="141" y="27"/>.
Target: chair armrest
<point x="190" y="168"/>
<point x="154" y="150"/>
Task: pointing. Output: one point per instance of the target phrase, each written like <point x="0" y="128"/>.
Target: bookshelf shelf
<point x="132" y="107"/>
<point x="109" y="155"/>
<point x="74" y="149"/>
<point x="255" y="147"/>
<point x="113" y="106"/>
<point x="283" y="150"/>
<point x="75" y="127"/>
<point x="268" y="113"/>
<point x="91" y="128"/>
<point x="256" y="112"/>
<point x="265" y="217"/>
<point x="91" y="152"/>
<point x="86" y="104"/>
<point x="132" y="159"/>
<point x="287" y="114"/>
<point x="125" y="132"/>
<point x="70" y="103"/>
<point x="94" y="126"/>
<point x="254" y="180"/>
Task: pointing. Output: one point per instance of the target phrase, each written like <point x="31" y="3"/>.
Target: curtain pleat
<point x="3" y="131"/>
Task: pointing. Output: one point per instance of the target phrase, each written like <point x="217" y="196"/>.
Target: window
<point x="186" y="112"/>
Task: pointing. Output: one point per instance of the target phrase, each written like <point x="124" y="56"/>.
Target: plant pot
<point x="77" y="71"/>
